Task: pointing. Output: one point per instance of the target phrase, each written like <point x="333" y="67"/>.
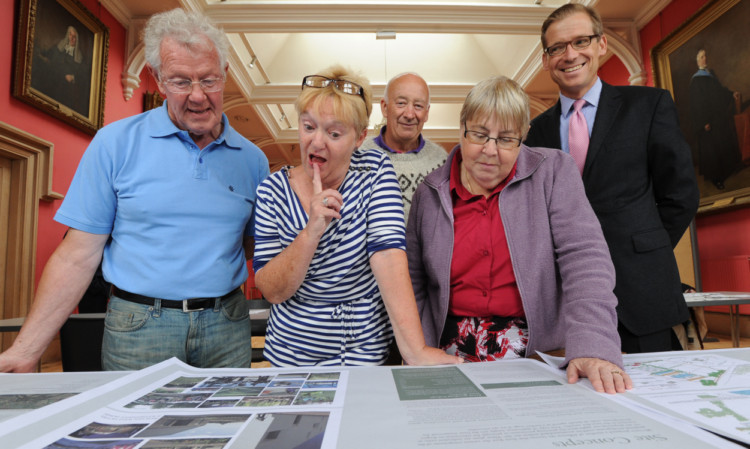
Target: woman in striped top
<point x="330" y="241"/>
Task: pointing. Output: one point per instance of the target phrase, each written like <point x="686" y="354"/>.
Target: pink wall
<point x="614" y="72"/>
<point x="69" y="143"/>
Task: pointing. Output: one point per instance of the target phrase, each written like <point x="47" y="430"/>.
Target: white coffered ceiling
<point x="452" y="44"/>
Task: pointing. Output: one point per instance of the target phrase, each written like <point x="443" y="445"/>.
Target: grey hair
<point x="187" y="28"/>
<point x="385" y="92"/>
<point x="499" y="97"/>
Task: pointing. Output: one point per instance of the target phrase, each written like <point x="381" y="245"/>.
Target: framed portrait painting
<point x="61" y="61"/>
<point x="704" y="63"/>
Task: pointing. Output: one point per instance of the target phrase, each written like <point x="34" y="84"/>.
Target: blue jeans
<point x="138" y="335"/>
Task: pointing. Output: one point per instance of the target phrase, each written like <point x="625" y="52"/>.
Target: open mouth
<point x="317" y="160"/>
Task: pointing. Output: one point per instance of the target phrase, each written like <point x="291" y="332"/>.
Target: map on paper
<point x="708" y="389"/>
<point x="685" y="371"/>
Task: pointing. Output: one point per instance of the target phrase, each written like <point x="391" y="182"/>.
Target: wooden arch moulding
<point x="29" y="160"/>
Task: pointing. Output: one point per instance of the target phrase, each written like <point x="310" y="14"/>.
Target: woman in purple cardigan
<point x="505" y="253"/>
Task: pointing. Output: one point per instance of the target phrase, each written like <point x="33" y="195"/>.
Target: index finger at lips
<point x="317" y="185"/>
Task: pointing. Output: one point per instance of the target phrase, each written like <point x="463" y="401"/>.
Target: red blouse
<point x="482" y="279"/>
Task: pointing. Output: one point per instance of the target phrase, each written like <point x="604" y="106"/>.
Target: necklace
<point x="465" y="176"/>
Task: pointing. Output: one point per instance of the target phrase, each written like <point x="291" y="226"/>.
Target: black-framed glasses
<point x="344" y="86"/>
<point x="480" y="138"/>
<point x="578" y="43"/>
<point x="185" y="86"/>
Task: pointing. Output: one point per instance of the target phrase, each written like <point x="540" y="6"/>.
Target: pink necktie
<point x="578" y="135"/>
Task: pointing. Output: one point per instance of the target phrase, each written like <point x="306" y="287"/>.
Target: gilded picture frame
<point x="61" y="61"/>
<point x="713" y="102"/>
<point x="152" y="100"/>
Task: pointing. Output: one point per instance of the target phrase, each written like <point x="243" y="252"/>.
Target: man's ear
<point x="382" y="106"/>
<point x="602" y="45"/>
<point x="545" y="61"/>
<point x="156" y="78"/>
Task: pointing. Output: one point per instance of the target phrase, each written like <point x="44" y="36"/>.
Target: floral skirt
<point x="480" y="339"/>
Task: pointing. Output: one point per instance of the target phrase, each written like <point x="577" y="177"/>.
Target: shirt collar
<point x="162" y="126"/>
<point x="462" y="192"/>
<point x="380" y="141"/>
<point x="591" y="97"/>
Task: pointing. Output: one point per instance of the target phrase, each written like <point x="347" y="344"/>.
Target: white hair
<point x="187" y="28"/>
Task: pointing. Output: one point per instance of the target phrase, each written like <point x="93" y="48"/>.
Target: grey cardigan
<point x="558" y="252"/>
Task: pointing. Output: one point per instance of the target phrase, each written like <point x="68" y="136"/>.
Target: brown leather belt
<point x="187" y="305"/>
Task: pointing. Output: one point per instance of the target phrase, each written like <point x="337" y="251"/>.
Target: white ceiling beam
<point x="287" y="93"/>
<point x="305" y="17"/>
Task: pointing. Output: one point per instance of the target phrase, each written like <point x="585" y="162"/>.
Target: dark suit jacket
<point x="640" y="181"/>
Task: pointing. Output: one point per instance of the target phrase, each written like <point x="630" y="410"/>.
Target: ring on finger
<point x="325" y="201"/>
<point x="616" y="371"/>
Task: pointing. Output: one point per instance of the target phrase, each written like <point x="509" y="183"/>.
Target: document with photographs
<point x="21" y="393"/>
<point x="173" y="405"/>
<point x="513" y="403"/>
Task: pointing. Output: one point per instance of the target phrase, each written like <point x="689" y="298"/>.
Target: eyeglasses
<point x="578" y="43"/>
<point x="183" y="86"/>
<point x="503" y="142"/>
<point x="344" y="86"/>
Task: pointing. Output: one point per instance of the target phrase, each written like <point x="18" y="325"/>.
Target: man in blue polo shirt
<point x="167" y="198"/>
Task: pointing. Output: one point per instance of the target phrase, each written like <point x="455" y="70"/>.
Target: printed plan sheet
<point x="710" y="389"/>
<point x="515" y="403"/>
<point x="518" y="403"/>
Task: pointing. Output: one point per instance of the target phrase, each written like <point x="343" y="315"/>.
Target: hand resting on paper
<point x="604" y="376"/>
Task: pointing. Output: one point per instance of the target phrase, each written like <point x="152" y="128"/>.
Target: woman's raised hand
<point x="325" y="205"/>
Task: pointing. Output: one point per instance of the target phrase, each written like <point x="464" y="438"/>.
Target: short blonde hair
<point x="349" y="108"/>
<point x="499" y="97"/>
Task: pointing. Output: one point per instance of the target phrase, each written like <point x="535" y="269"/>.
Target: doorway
<point x="25" y="179"/>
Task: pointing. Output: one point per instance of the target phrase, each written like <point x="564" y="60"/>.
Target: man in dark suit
<point x="636" y="169"/>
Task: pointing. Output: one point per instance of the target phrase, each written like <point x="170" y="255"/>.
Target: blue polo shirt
<point x="176" y="214"/>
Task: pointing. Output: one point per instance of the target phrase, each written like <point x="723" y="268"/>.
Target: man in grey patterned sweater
<point x="406" y="106"/>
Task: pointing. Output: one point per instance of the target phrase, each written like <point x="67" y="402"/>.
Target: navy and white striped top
<point x="337" y="316"/>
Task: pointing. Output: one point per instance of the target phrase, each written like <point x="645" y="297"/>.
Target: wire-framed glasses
<point x="344" y="86"/>
<point x="578" y="43"/>
<point x="185" y="86"/>
<point x="480" y="138"/>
